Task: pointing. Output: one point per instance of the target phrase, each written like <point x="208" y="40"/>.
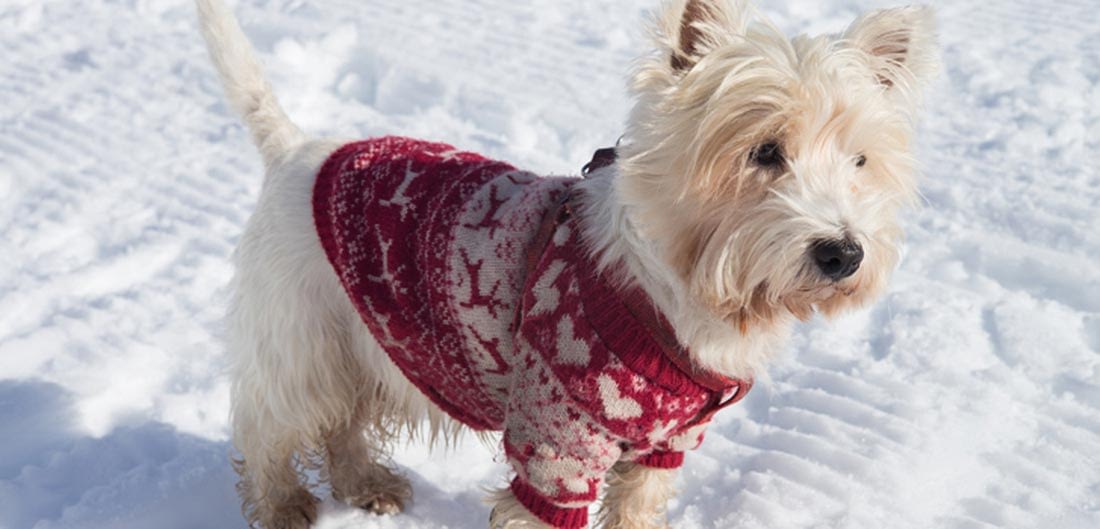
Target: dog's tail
<point x="246" y="88"/>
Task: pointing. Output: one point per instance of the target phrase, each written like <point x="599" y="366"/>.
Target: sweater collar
<point x="625" y="317"/>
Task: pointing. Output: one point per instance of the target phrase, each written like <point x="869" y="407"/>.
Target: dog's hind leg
<point x="273" y="493"/>
<point x="355" y="456"/>
<point x="294" y="378"/>
<point x="357" y="453"/>
<point x="270" y="431"/>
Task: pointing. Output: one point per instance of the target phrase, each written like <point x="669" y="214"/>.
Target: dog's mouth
<point x="805" y="301"/>
<point x="811" y="294"/>
<point x="827" y="290"/>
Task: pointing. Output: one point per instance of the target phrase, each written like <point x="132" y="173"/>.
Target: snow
<point x="969" y="397"/>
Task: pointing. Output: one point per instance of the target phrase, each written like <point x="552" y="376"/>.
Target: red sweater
<point x="474" y="278"/>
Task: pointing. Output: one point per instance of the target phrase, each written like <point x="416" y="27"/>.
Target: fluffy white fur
<point x="720" y="243"/>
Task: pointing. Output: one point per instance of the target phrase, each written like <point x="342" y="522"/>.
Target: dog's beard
<point x="758" y="279"/>
<point x="767" y="306"/>
<point x="828" y="297"/>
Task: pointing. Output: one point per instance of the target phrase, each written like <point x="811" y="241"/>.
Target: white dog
<point x="393" y="284"/>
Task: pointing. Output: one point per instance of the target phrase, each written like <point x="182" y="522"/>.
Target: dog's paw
<point x="386" y="505"/>
<point x="377" y="502"/>
<point x="378" y="496"/>
<point x="297" y="512"/>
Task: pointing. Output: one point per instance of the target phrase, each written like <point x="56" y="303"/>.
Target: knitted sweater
<point x="474" y="278"/>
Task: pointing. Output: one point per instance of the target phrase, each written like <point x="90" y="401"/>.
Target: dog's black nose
<point x="837" y="259"/>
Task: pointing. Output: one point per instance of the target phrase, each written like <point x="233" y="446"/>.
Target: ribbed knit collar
<point x="627" y="321"/>
<point x="626" y="317"/>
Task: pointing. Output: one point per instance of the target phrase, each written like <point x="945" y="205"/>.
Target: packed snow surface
<point x="969" y="397"/>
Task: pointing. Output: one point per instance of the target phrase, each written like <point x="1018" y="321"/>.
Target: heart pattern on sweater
<point x="615" y="405"/>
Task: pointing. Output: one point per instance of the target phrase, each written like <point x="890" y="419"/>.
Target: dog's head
<point x="768" y="171"/>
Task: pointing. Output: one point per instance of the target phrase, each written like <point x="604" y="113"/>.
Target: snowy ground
<point x="968" y="398"/>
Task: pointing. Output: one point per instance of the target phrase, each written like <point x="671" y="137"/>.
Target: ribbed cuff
<point x="558" y="517"/>
<point x="665" y="460"/>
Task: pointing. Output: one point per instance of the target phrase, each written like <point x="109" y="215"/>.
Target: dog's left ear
<point x="694" y="28"/>
<point x="900" y="47"/>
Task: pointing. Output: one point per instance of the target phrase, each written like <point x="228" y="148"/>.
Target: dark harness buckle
<point x="600" y="159"/>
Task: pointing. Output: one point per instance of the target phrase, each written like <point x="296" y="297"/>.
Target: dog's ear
<point x="693" y="28"/>
<point x="899" y="45"/>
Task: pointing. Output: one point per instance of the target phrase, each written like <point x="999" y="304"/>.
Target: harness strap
<point x="557" y="214"/>
<point x="600" y="159"/>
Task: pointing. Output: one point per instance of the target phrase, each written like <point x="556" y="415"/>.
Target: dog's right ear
<point x="899" y="46"/>
<point x="693" y="28"/>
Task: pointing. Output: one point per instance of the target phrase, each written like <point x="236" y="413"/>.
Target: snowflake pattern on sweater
<point x="474" y="278"/>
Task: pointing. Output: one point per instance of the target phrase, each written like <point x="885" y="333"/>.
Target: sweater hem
<point x="555" y="516"/>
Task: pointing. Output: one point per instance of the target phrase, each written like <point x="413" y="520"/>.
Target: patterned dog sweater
<point x="474" y="278"/>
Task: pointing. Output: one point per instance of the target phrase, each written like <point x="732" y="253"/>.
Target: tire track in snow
<point x="109" y="229"/>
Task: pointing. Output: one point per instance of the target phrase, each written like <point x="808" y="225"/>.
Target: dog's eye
<point x="861" y="160"/>
<point x="767" y="154"/>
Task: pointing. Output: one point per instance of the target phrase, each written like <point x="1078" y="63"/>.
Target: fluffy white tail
<point x="246" y="88"/>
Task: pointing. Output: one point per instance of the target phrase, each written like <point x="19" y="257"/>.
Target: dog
<point x="396" y="286"/>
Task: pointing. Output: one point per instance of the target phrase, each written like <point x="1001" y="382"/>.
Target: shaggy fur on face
<point x="748" y="158"/>
<point x="835" y="115"/>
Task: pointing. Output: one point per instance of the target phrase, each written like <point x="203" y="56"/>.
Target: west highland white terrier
<point x="394" y="286"/>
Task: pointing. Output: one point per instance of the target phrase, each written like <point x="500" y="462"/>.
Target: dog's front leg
<point x="509" y="513"/>
<point x="637" y="497"/>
